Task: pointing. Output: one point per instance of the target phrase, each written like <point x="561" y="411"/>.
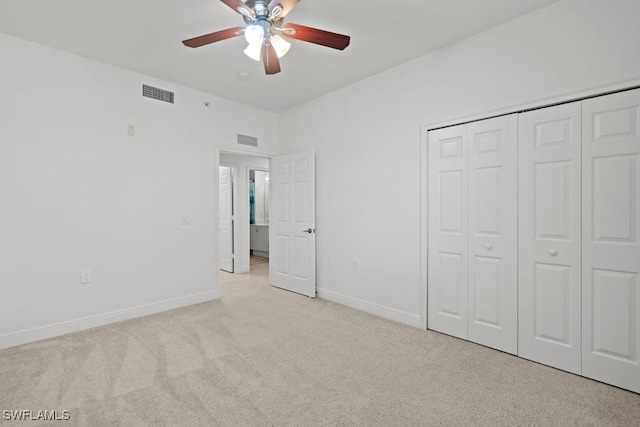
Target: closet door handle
<point x="553" y="252"/>
<point x="488" y="246"/>
<point x="308" y="230"/>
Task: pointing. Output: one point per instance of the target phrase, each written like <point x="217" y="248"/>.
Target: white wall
<point x="241" y="203"/>
<point x="367" y="136"/>
<point x="77" y="192"/>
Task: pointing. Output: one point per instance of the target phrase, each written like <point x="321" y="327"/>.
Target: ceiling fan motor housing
<point x="260" y="8"/>
<point x="263" y="16"/>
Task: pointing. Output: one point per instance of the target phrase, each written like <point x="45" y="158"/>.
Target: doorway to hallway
<point x="244" y="212"/>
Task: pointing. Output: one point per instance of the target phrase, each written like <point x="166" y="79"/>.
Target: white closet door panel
<point x="447" y="276"/>
<point x="611" y="239"/>
<point x="549" y="287"/>
<point x="493" y="293"/>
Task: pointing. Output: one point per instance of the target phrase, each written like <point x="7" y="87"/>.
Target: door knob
<point x="553" y="252"/>
<point x="308" y="230"/>
<point x="488" y="246"/>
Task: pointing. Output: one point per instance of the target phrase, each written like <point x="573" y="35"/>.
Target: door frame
<point x="216" y="198"/>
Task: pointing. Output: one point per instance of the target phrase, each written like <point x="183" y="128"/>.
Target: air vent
<point x="247" y="140"/>
<point x="157" y="93"/>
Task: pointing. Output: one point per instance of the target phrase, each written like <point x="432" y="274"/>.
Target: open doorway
<point x="258" y="216"/>
<point x="245" y="212"/>
<point x="291" y="196"/>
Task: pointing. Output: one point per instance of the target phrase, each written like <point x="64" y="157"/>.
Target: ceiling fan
<point x="265" y="31"/>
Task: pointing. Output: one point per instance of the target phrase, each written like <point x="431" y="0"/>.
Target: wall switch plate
<point x="332" y="261"/>
<point x="185" y="220"/>
<point x="85" y="276"/>
<point x="131" y="130"/>
<point x="356" y="263"/>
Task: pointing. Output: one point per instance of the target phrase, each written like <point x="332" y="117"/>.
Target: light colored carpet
<point x="263" y="356"/>
<point x="255" y="259"/>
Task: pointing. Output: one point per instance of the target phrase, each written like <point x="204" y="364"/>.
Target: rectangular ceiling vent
<point x="157" y="93"/>
<point x="251" y="141"/>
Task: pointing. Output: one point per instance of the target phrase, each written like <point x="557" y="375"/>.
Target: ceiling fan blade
<point x="314" y="35"/>
<point x="270" y="59"/>
<point x="214" y="37"/>
<point x="238" y="6"/>
<point x="286" y="5"/>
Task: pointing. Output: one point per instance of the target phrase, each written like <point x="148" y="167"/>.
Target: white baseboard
<point x="372" y="308"/>
<point x="63" y="328"/>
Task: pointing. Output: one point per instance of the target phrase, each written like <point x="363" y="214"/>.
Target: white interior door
<point x="292" y="240"/>
<point x="447" y="258"/>
<point x="611" y="239"/>
<point x="493" y="233"/>
<point x="226" y="219"/>
<point x="549" y="180"/>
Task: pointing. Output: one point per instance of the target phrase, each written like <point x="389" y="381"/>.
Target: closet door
<point x="611" y="239"/>
<point x="493" y="263"/>
<point x="549" y="176"/>
<point x="447" y="276"/>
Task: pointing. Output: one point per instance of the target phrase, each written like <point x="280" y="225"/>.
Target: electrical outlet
<point x="85" y="276"/>
<point x="356" y="263"/>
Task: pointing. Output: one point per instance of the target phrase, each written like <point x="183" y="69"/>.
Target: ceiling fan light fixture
<point x="266" y="34"/>
<point x="253" y="52"/>
<point x="254" y="34"/>
<point x="280" y="45"/>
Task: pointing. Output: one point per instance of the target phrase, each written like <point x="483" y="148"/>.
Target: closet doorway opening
<point x="244" y="211"/>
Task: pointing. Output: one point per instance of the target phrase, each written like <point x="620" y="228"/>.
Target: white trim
<point x="247" y="152"/>
<point x="216" y="219"/>
<point x="424" y="227"/>
<point x="63" y="328"/>
<point x="369" y="307"/>
<point x="541" y="103"/>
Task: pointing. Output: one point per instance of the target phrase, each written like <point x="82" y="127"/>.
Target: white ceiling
<point x="145" y="36"/>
